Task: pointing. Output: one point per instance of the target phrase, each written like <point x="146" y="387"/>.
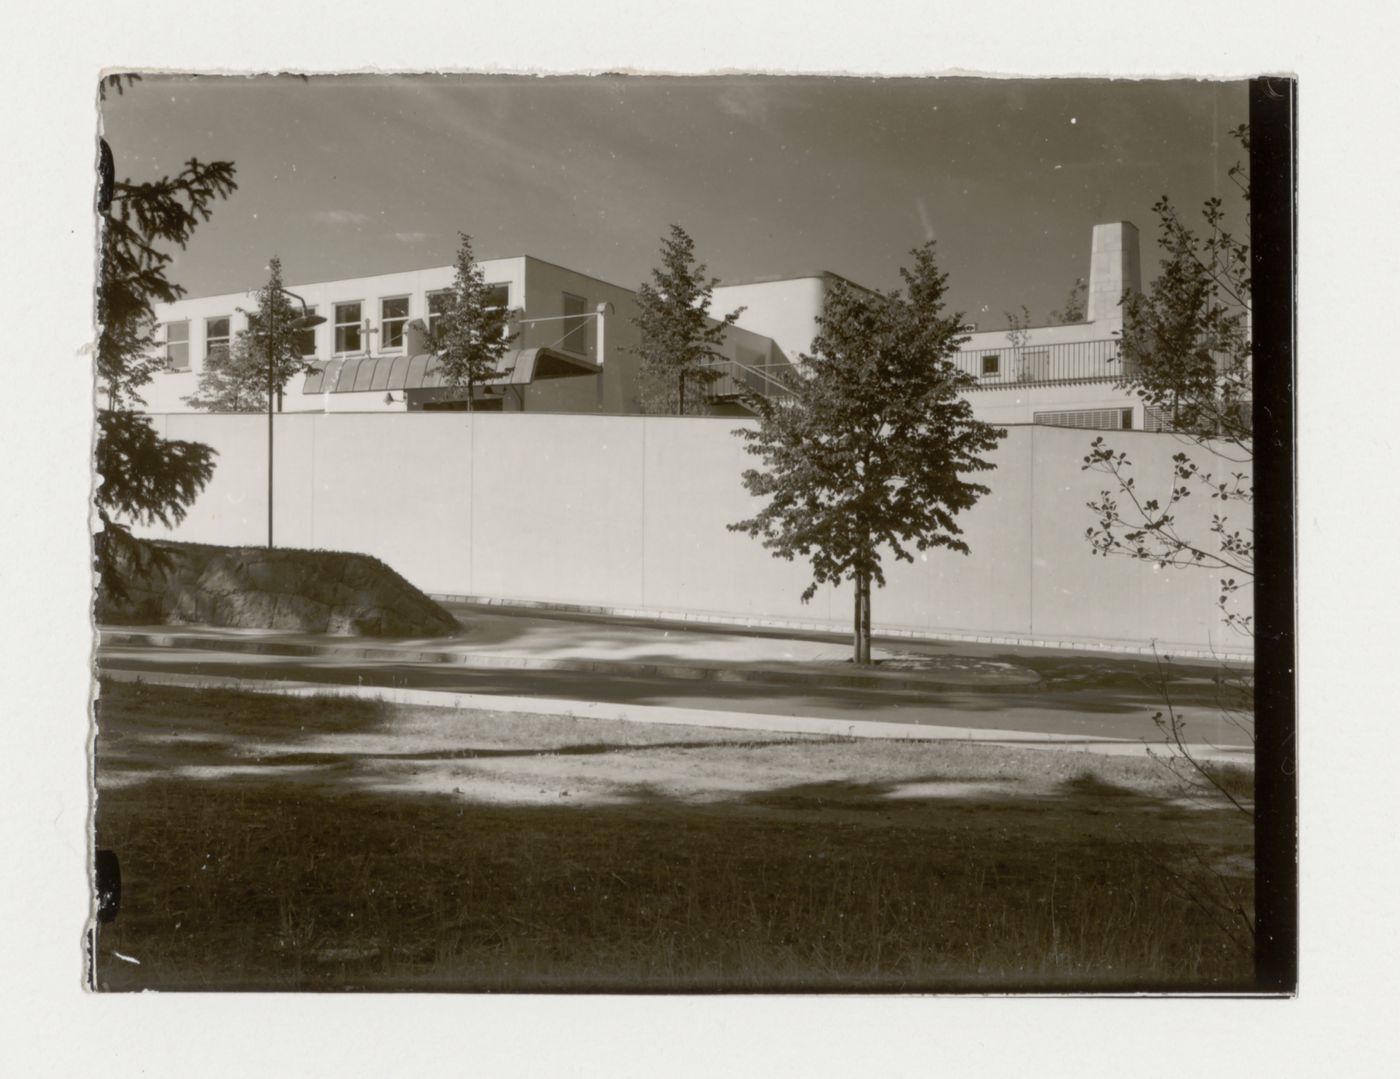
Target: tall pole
<point x="271" y="322"/>
<point x="274" y="392"/>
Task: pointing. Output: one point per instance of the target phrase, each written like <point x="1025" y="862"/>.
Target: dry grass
<point x="679" y="859"/>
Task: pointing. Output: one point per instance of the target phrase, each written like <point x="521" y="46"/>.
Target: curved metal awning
<point x="519" y="367"/>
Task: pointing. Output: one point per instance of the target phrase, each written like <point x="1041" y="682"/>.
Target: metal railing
<point x="994" y="368"/>
<point x="1018" y="365"/>
<point x="735" y="378"/>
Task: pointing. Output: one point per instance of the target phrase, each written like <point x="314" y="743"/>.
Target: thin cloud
<point x="410" y="237"/>
<point x="341" y="217"/>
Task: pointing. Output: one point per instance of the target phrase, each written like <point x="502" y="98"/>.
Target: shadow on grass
<point x="960" y="877"/>
<point x="265" y="888"/>
<point x="147" y="733"/>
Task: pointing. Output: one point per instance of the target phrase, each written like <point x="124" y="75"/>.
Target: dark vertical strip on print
<point x="1273" y="244"/>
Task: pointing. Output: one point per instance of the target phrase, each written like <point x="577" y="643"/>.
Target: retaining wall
<point x="629" y="512"/>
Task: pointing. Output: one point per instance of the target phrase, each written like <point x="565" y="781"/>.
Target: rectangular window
<point x="348" y="333"/>
<point x="393" y="316"/>
<point x="575" y="325"/>
<point x="438" y="302"/>
<point x="177" y="345"/>
<point x="496" y="296"/>
<point x="991" y="365"/>
<point x="306" y="339"/>
<point x="216" y="335"/>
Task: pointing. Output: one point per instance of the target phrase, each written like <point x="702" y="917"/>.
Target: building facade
<point x="569" y="354"/>
<point x="575" y="345"/>
<point x="1061" y="375"/>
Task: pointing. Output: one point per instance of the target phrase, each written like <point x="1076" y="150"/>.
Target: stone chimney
<point x="1114" y="266"/>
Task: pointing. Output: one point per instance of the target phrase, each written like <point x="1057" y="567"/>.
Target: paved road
<point x="1085" y="696"/>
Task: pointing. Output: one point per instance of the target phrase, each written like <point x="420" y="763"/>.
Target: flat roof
<point x="768" y="279"/>
<point x="451" y="267"/>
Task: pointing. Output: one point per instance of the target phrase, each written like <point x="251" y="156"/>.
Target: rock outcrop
<point x="257" y="588"/>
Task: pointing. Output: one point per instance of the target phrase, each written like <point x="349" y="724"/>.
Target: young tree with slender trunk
<point x="1187" y="351"/>
<point x="470" y="335"/>
<point x="870" y="455"/>
<point x="273" y="335"/>
<point x="236" y="379"/>
<point x="680" y="342"/>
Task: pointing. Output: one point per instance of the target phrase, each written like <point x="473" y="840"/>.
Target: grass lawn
<point x="278" y="843"/>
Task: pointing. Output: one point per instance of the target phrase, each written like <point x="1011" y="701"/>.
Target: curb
<point x="878" y="680"/>
<point x="738" y="621"/>
<point x="689" y="717"/>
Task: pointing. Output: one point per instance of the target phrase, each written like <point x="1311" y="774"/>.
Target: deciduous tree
<point x="470" y="335"/>
<point x="680" y="342"/>
<point x="1187" y="354"/>
<point x="872" y="454"/>
<point x="236" y="379"/>
<point x="232" y="379"/>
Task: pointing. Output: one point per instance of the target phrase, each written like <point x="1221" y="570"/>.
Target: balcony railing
<point x="1018" y="365"/>
<point x="993" y="368"/>
<point x="735" y="379"/>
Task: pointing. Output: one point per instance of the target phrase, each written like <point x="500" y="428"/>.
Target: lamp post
<point x="306" y="321"/>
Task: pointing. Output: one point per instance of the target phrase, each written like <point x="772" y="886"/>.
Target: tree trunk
<point x="862" y="620"/>
<point x="855" y="628"/>
<point x="865" y="617"/>
<point x="471" y="392"/>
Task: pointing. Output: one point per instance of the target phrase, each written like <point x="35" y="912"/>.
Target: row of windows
<point x="349" y="326"/>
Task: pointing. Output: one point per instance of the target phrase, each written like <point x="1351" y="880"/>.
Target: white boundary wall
<point x="629" y="512"/>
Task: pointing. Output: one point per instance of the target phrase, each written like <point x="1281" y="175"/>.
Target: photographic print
<point x="740" y="533"/>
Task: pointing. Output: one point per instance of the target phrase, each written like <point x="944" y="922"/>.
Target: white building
<point x="574" y="349"/>
<point x="576" y="341"/>
<point x="1065" y="375"/>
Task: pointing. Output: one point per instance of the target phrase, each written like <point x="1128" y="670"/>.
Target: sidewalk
<point x="493" y="640"/>
<point x="729" y="719"/>
<point x="590" y="665"/>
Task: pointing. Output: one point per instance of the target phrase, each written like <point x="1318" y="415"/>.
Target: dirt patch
<point x="333" y="592"/>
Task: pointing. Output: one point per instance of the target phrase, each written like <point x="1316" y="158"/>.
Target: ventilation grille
<point x="1156" y="419"/>
<point x="1111" y="419"/>
<point x="1161" y="419"/>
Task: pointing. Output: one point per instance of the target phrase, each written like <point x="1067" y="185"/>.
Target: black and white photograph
<point x="652" y="534"/>
<point x="776" y="540"/>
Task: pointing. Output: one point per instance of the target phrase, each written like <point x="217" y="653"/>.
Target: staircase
<point x="736" y="382"/>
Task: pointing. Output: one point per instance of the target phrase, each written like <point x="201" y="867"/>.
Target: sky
<point x="348" y="176"/>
